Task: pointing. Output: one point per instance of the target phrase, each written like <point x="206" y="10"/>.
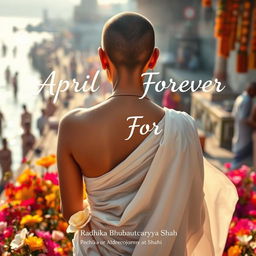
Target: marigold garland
<point x="235" y="25"/>
<point x="207" y="3"/>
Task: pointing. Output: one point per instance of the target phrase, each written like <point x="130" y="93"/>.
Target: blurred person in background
<point x="15" y="85"/>
<point x="14" y="51"/>
<point x="252" y="123"/>
<point x="193" y="63"/>
<point x="4" y="49"/>
<point x="42" y="92"/>
<point x="28" y="139"/>
<point x="50" y="107"/>
<point x="26" y="117"/>
<point x="67" y="98"/>
<point x="171" y="100"/>
<point x="242" y="140"/>
<point x="5" y="161"/>
<point x="7" y="74"/>
<point x="41" y="122"/>
<point x="73" y="67"/>
<point x="1" y="123"/>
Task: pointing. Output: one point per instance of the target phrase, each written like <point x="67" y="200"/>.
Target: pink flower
<point x="53" y="177"/>
<point x="236" y="179"/>
<point x="227" y="165"/>
<point x="245" y="169"/>
<point x="28" y="202"/>
<point x="43" y="234"/>
<point x="238" y="176"/>
<point x="24" y="160"/>
<point x="3" y="226"/>
<point x="253" y="177"/>
<point x="252" y="213"/>
<point x="51" y="245"/>
<point x="8" y="232"/>
<point x="57" y="235"/>
<point x="253" y="198"/>
<point x="242" y="227"/>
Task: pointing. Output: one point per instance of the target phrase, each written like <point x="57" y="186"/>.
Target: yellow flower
<point x="15" y="202"/>
<point x="59" y="250"/>
<point x="234" y="250"/>
<point x="25" y="176"/>
<point x="30" y="220"/>
<point x="46" y="161"/>
<point x="35" y="243"/>
<point x="4" y="206"/>
<point x="50" y="198"/>
<point x="54" y="188"/>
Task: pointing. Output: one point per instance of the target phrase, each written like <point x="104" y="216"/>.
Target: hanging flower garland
<point x="244" y="37"/>
<point x="206" y="3"/>
<point x="235" y="25"/>
<point x="253" y="40"/>
<point x="222" y="27"/>
<point x="235" y="6"/>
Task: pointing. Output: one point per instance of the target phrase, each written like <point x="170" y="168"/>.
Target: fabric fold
<point x="163" y="199"/>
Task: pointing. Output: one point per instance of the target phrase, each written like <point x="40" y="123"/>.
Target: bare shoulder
<point x="70" y="120"/>
<point x="75" y="120"/>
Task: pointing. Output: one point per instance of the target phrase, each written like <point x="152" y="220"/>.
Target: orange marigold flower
<point x="62" y="226"/>
<point x="39" y="212"/>
<point x="25" y="193"/>
<point x="26" y="175"/>
<point x="234" y="250"/>
<point x="35" y="243"/>
<point x="46" y="161"/>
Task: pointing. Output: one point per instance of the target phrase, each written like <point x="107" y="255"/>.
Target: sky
<point x="111" y="1"/>
<point x="34" y="8"/>
<point x="101" y="1"/>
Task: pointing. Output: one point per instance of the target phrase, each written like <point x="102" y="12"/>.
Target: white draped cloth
<point x="163" y="199"/>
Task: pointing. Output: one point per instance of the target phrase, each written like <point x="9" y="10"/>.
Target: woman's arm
<point x="70" y="176"/>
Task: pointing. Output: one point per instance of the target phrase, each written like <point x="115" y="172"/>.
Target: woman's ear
<point x="153" y="59"/>
<point x="103" y="58"/>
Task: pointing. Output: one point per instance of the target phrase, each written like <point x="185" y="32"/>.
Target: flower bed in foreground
<point x="242" y="233"/>
<point x="31" y="222"/>
<point x="30" y="219"/>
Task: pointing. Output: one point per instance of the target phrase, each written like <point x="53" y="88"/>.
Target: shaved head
<point x="129" y="40"/>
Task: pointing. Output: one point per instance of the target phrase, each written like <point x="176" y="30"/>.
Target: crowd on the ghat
<point x="44" y="58"/>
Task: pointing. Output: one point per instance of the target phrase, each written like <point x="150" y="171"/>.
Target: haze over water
<point x="28" y="80"/>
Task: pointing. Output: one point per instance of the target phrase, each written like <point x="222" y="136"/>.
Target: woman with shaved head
<point x="149" y="190"/>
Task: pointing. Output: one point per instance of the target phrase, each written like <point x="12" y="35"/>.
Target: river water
<point x="28" y="80"/>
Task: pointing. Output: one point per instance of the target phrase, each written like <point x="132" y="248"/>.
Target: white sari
<point x="166" y="192"/>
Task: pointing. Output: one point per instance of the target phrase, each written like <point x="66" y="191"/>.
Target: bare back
<point x="97" y="136"/>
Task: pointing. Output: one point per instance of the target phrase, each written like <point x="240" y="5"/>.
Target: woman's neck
<point x="128" y="83"/>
